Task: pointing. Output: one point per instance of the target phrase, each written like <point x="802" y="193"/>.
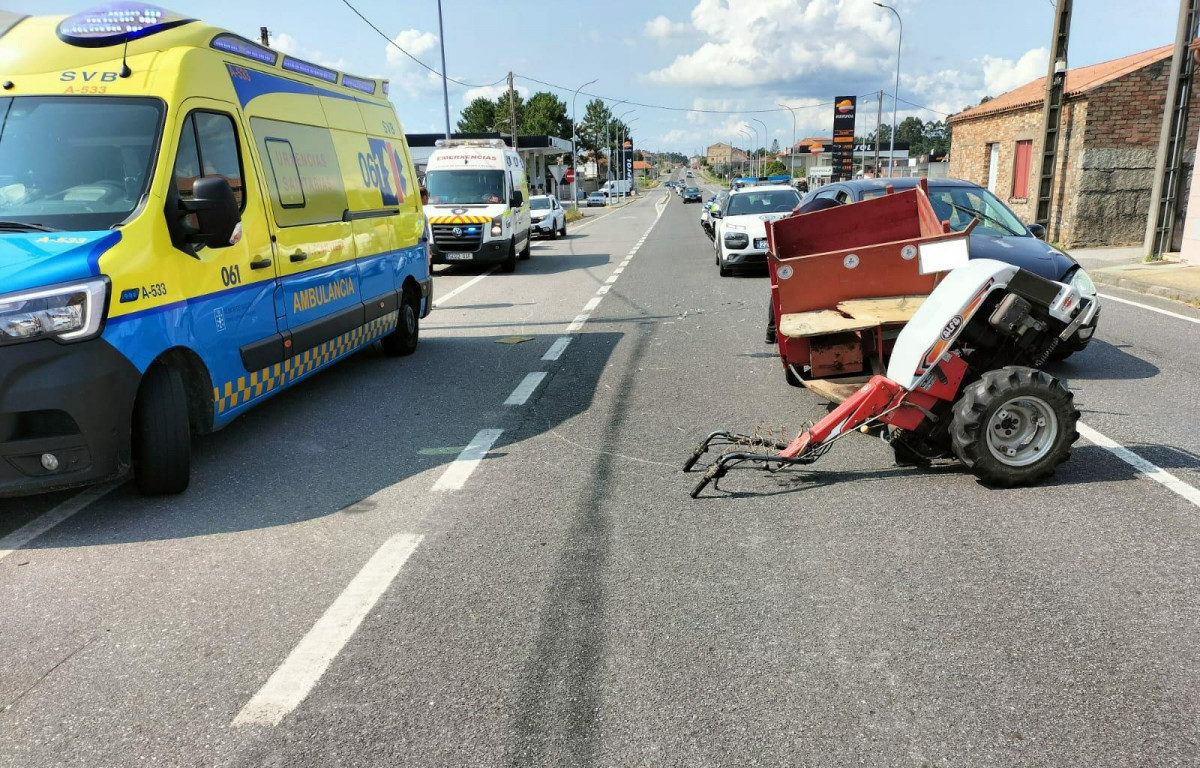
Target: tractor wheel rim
<point x="1021" y="431"/>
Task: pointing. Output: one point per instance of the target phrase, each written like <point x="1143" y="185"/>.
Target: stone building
<point x="724" y="154"/>
<point x="1108" y="139"/>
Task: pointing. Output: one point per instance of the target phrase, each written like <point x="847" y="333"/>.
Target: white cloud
<point x="285" y="43"/>
<point x="759" y="42"/>
<point x="1001" y="75"/>
<point x="662" y="28"/>
<point x="492" y="92"/>
<point x="405" y="73"/>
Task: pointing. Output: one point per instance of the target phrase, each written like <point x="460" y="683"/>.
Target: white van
<point x="614" y="187"/>
<point x="478" y="207"/>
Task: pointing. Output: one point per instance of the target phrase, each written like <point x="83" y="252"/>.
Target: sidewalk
<point x="1172" y="278"/>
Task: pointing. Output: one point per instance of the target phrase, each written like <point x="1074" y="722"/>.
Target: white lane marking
<point x="456" y="475"/>
<point x="463" y="287"/>
<point x="612" y="279"/>
<point x="1155" y="473"/>
<point x="47" y="520"/>
<point x="557" y="348"/>
<point x="304" y="666"/>
<point x="603" y="290"/>
<point x="577" y="323"/>
<point x="618" y="270"/>
<point x="1168" y="313"/>
<point x="592" y="304"/>
<point x="521" y="394"/>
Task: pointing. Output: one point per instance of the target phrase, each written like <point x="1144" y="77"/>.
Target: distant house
<point x="1106" y="151"/>
<point x="724" y="154"/>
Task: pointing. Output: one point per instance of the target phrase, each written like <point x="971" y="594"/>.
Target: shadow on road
<point x="326" y="445"/>
<point x="1103" y="361"/>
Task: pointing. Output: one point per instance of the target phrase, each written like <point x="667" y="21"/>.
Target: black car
<point x="1000" y="235"/>
<point x="691" y="195"/>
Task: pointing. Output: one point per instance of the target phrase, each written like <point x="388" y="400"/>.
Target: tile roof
<point x="1079" y="81"/>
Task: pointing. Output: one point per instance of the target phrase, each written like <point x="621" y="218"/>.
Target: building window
<point x="1020" y="185"/>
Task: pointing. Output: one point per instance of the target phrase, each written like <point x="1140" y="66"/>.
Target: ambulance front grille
<point x="457" y="237"/>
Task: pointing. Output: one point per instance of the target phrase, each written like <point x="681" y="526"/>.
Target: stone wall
<point x="1124" y="122"/>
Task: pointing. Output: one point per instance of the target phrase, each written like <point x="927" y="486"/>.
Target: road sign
<point x="569" y="176"/>
<point x="556" y="171"/>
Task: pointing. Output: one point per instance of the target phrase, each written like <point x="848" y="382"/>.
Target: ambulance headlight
<point x="71" y="312"/>
<point x="497" y="226"/>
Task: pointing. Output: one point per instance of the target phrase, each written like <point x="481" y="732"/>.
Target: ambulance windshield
<point x="465" y="187"/>
<point x="74" y="162"/>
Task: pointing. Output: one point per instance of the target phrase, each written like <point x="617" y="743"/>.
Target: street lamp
<point x="574" y="151"/>
<point x="792" y="148"/>
<point x="747" y="134"/>
<point x="753" y="150"/>
<point x="895" y="94"/>
<point x="765" y="137"/>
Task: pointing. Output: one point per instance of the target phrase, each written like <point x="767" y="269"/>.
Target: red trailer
<point x="845" y="280"/>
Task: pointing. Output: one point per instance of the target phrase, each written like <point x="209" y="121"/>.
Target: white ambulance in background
<point x="478" y="203"/>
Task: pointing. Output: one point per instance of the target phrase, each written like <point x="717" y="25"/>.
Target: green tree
<point x="478" y="117"/>
<point x="775" y="168"/>
<point x="546" y="114"/>
<point x="591" y="129"/>
<point x="775" y="147"/>
<point x="504" y="112"/>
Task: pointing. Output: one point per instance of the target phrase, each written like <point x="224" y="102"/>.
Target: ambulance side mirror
<point x="517" y="200"/>
<point x="216" y="211"/>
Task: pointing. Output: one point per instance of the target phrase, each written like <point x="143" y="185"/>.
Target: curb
<point x="1150" y="289"/>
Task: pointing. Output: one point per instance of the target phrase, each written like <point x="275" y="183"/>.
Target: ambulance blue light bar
<point x="312" y="70"/>
<point x="240" y="46"/>
<point x="359" y="84"/>
<point x="117" y="23"/>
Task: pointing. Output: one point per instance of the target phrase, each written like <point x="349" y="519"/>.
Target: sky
<point x="728" y="56"/>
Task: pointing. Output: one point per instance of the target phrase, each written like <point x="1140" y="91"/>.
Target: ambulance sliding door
<point x="314" y="246"/>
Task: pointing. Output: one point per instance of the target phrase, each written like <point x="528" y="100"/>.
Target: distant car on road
<point x="547" y="217"/>
<point x="691" y="195"/>
<point x="597" y="199"/>
<point x="1000" y="235"/>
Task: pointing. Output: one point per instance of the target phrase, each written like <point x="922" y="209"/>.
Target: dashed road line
<point x="459" y="471"/>
<point x="291" y="683"/>
<point x="1155" y="473"/>
<point x="557" y="348"/>
<point x="1139" y="305"/>
<point x="47" y="520"/>
<point x="526" y="388"/>
<point x="592" y="304"/>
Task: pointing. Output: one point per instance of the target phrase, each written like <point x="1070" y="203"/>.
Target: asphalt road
<point x="563" y="602"/>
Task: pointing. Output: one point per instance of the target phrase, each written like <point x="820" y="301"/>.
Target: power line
<point x="395" y="45"/>
<point x="922" y="106"/>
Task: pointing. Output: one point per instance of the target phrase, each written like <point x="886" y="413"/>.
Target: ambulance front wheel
<point x="510" y="264"/>
<point x="403" y="340"/>
<point x="162" y="438"/>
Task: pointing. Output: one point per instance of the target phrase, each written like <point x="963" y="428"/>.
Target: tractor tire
<point x="791" y="378"/>
<point x="1014" y="426"/>
<point x="510" y="264"/>
<point x="162" y="437"/>
<point x="403" y="340"/>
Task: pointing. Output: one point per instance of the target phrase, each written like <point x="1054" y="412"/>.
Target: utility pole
<point x="264" y="34"/>
<point x="1056" y="77"/>
<point x="445" y="86"/>
<point x="878" y="123"/>
<point x="1168" y="165"/>
<point x="512" y="106"/>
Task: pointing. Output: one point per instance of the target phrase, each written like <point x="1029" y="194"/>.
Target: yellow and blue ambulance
<point x="190" y="222"/>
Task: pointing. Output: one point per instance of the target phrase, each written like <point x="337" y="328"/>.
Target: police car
<point x="740" y="226"/>
<point x="190" y="223"/>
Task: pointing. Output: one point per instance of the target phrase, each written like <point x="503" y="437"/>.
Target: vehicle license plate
<point x="458" y="256"/>
<point x="760" y="242"/>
